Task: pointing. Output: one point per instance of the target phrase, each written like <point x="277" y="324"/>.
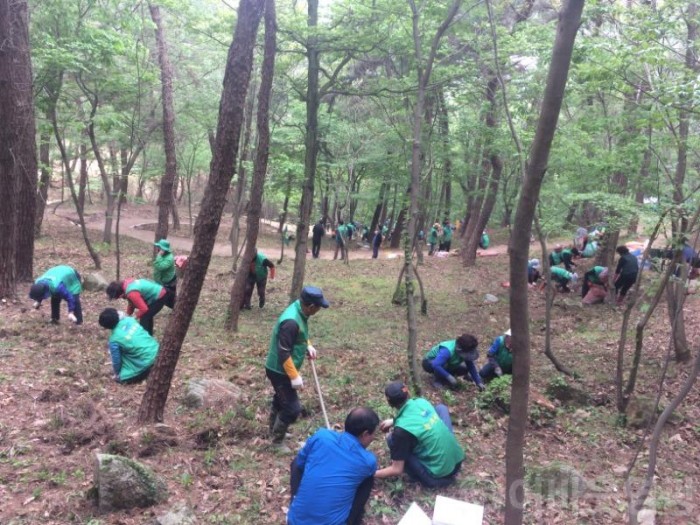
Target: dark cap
<point x="38" y="291"/>
<point x="396" y="393"/>
<point x="108" y="318"/>
<point x="466" y="347"/>
<point x="314" y="296"/>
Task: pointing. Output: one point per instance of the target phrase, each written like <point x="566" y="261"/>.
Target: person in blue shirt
<point x="60" y="283"/>
<point x="332" y="476"/>
<point x="500" y="358"/>
<point x="456" y="357"/>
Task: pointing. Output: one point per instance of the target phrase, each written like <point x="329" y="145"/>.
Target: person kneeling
<point x="332" y="476"/>
<point x="422" y="443"/>
<point x="132" y="349"/>
<point x="451" y="359"/>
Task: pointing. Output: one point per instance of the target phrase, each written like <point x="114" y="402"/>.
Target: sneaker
<point x="54" y="321"/>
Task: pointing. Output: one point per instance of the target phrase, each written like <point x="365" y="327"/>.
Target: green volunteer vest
<point x="485" y="240"/>
<point x="138" y="349"/>
<point x="556" y="258"/>
<point x="590" y="249"/>
<point x="437" y="447"/>
<point x="293" y="311"/>
<point x="260" y="270"/>
<point x="454" y="360"/>
<point x="164" y="268"/>
<point x="148" y="289"/>
<point x="61" y="274"/>
<point x="433" y="236"/>
<point x="560" y="273"/>
<point x="447" y="234"/>
<point x="503" y="356"/>
<point x="595" y="276"/>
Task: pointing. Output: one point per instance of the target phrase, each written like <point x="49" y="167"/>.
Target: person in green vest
<point x="59" y="283"/>
<point x="564" y="255"/>
<point x="341" y="240"/>
<point x="484" y="240"/>
<point x="144" y="296"/>
<point x="450" y="359"/>
<point x="422" y="442"/>
<point x="598" y="275"/>
<point x="132" y="349"/>
<point x="164" y="266"/>
<point x="289" y="345"/>
<point x="446" y="242"/>
<point x="561" y="279"/>
<point x="257" y="277"/>
<point x="433" y="238"/>
<point x="500" y="358"/>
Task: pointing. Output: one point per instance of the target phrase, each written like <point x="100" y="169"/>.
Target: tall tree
<point x="25" y="152"/>
<point x="8" y="143"/>
<point x="569" y="19"/>
<point x="167" y="182"/>
<point x="261" y="156"/>
<point x="236" y="79"/>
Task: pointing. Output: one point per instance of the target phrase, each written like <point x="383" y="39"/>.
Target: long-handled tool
<point x="320" y="396"/>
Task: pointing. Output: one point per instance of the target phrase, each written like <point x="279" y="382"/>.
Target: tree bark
<point x="236" y="79"/>
<point x="25" y="152"/>
<point x="569" y="20"/>
<point x="313" y="101"/>
<point x="261" y="156"/>
<point x="8" y="142"/>
<point x="167" y="182"/>
<point x="44" y="180"/>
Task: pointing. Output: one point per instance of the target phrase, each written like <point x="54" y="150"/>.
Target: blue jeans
<point x="418" y="472"/>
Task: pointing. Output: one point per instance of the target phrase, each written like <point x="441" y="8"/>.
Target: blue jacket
<point x="334" y="465"/>
<point x="441" y="360"/>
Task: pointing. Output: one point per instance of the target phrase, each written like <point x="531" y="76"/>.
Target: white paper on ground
<point x="450" y="511"/>
<point x="415" y="516"/>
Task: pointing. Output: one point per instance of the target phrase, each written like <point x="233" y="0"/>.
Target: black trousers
<point x="56" y="308"/>
<point x="285" y="401"/>
<point x="315" y="247"/>
<point x="357" y="510"/>
<point x="250" y="283"/>
<point x="146" y="320"/>
<point x="624" y="283"/>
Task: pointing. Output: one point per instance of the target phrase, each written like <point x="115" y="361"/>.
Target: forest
<point x="422" y="166"/>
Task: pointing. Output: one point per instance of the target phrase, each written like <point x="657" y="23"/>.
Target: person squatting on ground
<point x="484" y="240"/>
<point x="625" y="273"/>
<point x="59" y="283"/>
<point x="317" y="233"/>
<point x="332" y="476"/>
<point x="144" y="296"/>
<point x="561" y="279"/>
<point x="289" y="346"/>
<point x="376" y="243"/>
<point x="341" y="239"/>
<point x="257" y="277"/>
<point x="450" y="359"/>
<point x="422" y="442"/>
<point x="564" y="255"/>
<point x="132" y="349"/>
<point x="500" y="358"/>
<point x="595" y="283"/>
<point x="164" y="266"/>
<point x="533" y="271"/>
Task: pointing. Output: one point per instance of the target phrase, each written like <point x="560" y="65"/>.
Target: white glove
<point x="122" y="314"/>
<point x="498" y="371"/>
<point x="297" y="382"/>
<point x="36" y="305"/>
<point x="72" y="318"/>
<point x="311" y="351"/>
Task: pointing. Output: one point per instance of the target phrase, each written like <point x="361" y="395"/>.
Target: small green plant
<point x="186" y="480"/>
<point x="497" y="394"/>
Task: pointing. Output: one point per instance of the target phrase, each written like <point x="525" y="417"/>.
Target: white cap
<point x="535" y="263"/>
<point x="508" y="332"/>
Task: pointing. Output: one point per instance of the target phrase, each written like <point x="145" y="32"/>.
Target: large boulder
<point x="206" y="393"/>
<point x="95" y="282"/>
<point x="123" y="483"/>
<point x="557" y="480"/>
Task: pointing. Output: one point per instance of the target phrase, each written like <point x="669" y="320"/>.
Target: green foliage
<point x="496" y="394"/>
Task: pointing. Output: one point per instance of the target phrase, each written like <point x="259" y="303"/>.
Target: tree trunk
<point x="569" y="20"/>
<point x="398" y="229"/>
<point x="285" y="205"/>
<point x="25" y="149"/>
<point x="82" y="179"/>
<point x="166" y="203"/>
<point x="313" y="100"/>
<point x="261" y="156"/>
<point x="45" y="179"/>
<point x="236" y="79"/>
<point x="9" y="140"/>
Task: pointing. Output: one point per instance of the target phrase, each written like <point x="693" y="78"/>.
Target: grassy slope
<point x="59" y="405"/>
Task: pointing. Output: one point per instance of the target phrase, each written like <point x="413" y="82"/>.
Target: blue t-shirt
<point x="334" y="465"/>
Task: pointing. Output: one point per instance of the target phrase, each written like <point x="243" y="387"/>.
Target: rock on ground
<point x="95" y="282"/>
<point x="123" y="483"/>
<point x="180" y="514"/>
<point x="210" y="392"/>
<point x="557" y="480"/>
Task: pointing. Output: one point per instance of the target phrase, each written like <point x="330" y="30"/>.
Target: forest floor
<point x="60" y="406"/>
